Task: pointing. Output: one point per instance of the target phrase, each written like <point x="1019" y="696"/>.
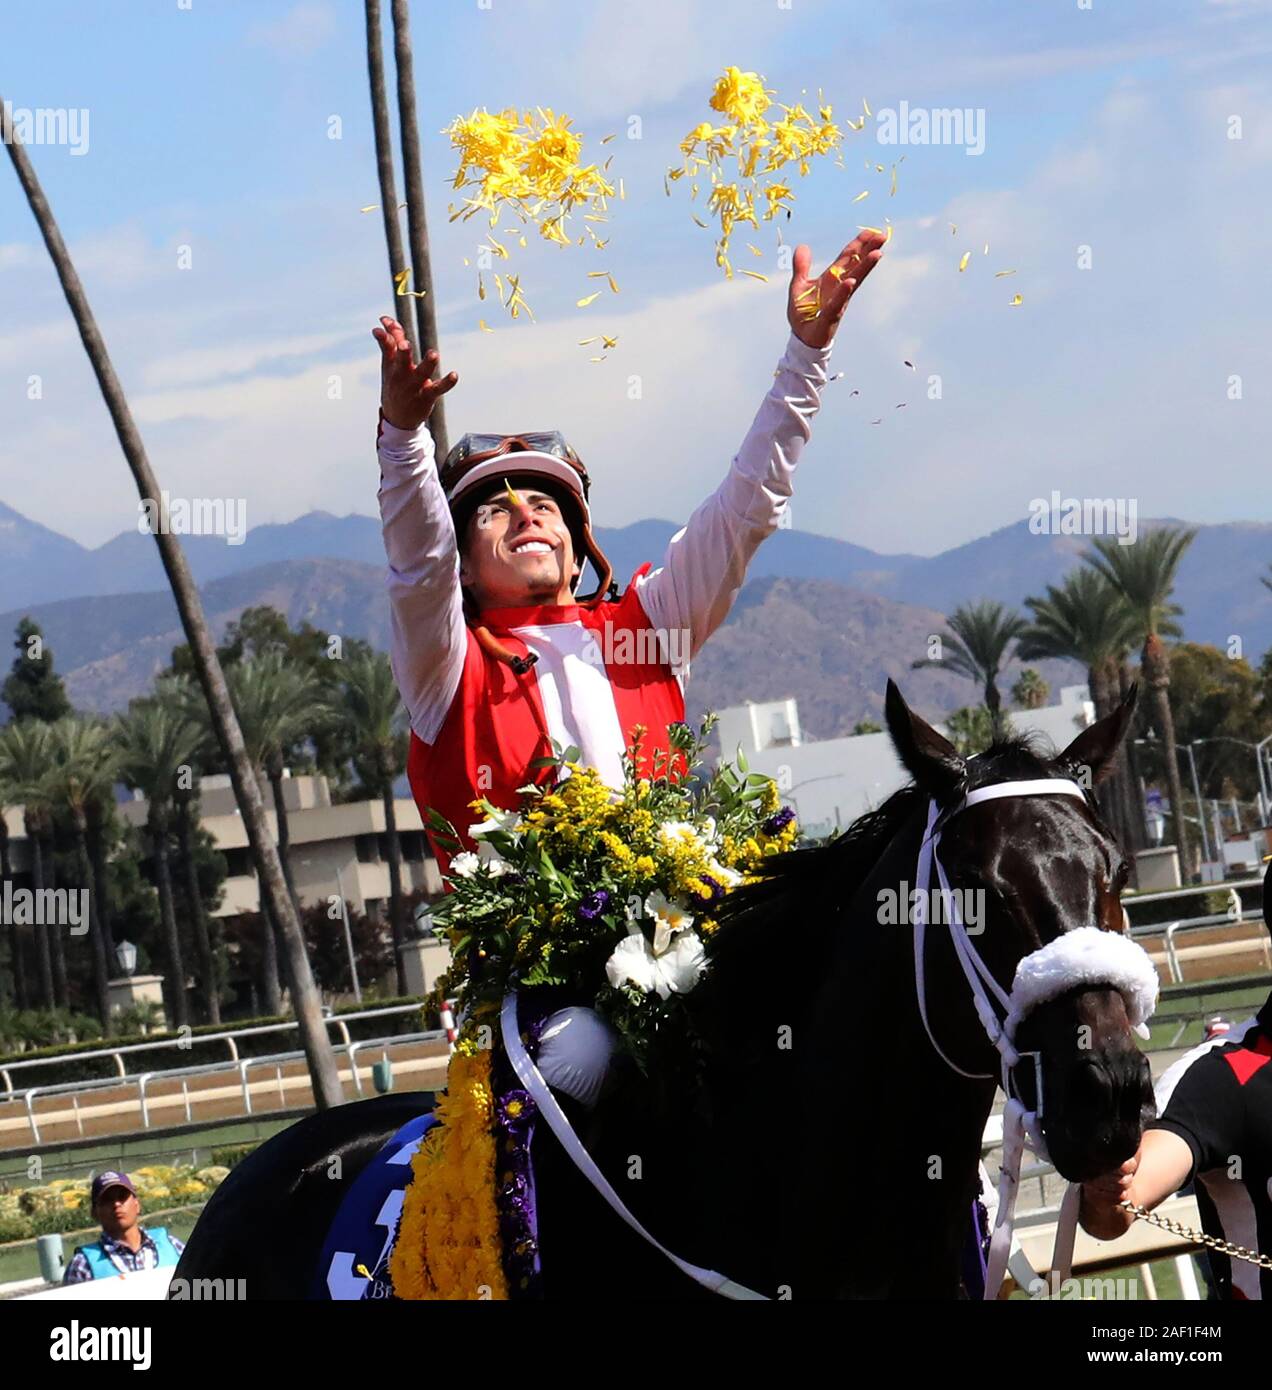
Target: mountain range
<point x="831" y="618"/>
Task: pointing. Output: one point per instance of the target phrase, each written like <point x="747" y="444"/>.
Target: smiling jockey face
<point x="518" y="550"/>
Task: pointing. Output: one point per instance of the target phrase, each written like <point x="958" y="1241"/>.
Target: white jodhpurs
<point x="575" y="1047"/>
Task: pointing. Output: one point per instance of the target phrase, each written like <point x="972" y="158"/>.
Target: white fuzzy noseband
<point x="1085" y="956"/>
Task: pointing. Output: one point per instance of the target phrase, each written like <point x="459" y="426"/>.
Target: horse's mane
<point x="793" y="905"/>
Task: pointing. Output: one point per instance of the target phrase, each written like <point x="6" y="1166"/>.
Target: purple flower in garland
<point x="778" y="822"/>
<point x="714" y="884"/>
<point x="515" y="1112"/>
<point x="594" y="904"/>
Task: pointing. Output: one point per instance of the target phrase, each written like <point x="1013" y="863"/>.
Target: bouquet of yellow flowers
<point x="609" y="893"/>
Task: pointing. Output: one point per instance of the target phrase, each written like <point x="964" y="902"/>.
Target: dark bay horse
<point x="820" y="1148"/>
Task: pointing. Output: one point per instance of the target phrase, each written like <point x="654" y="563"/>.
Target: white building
<point x="830" y="782"/>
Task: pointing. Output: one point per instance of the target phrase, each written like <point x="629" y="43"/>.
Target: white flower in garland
<point x="671" y="964"/>
<point x="464" y="865"/>
<point x="507" y="821"/>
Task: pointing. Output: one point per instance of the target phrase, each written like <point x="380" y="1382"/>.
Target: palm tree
<point x="179" y="695"/>
<point x="84" y="767"/>
<point x="157" y="743"/>
<point x="1030" y="691"/>
<point x="1144" y="574"/>
<point x="374" y="710"/>
<point x="402" y="306"/>
<point x="417" y="225"/>
<point x="20" y="999"/>
<point x="978" y="649"/>
<point x="1085" y="619"/>
<point x="24" y="768"/>
<point x="318" y="1051"/>
<point x="278" y="705"/>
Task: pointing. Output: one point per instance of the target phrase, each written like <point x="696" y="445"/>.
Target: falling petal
<point x="754" y="250"/>
<point x="865" y="106"/>
<point x="878" y="421"/>
<point x="953" y="229"/>
<point x="893" y="192"/>
<point x="967" y="256"/>
<point x="484" y="326"/>
<point x="755" y="275"/>
<point x="999" y="274"/>
<point x="609" y="342"/>
<point x="909" y="364"/>
<point x="901" y="406"/>
<point x="371" y="207"/>
<point x="597" y="274"/>
<point x="613" y="284"/>
<point x="1015" y="300"/>
<point x="699" y="221"/>
<point x="513" y="499"/>
<point x="986" y="249"/>
<point x="583" y="303"/>
<point x="608" y="138"/>
<point x="586" y="342"/>
<point x="856" y="391"/>
<point x="865" y="193"/>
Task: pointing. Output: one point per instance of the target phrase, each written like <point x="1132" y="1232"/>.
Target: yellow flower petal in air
<point x="755" y="275"/>
<point x="609" y="342"/>
<point x="613" y="284"/>
<point x="999" y="274"/>
<point x="967" y="256"/>
<point x="1015" y="300"/>
<point x="513" y="499"/>
<point x="865" y="106"/>
<point x="865" y="193"/>
<point x="484" y="326"/>
<point x="584" y="302"/>
<point x="371" y="207"/>
<point x="586" y="342"/>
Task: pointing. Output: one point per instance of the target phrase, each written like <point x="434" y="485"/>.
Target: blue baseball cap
<point x="110" y="1178"/>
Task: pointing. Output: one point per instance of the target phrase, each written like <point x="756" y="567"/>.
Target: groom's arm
<point x="706" y="561"/>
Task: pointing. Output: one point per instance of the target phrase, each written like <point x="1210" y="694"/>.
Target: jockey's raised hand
<point x="816" y="304"/>
<point x="408" y="392"/>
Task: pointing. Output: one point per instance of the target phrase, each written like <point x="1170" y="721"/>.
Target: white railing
<point x="229" y="1036"/>
<point x="75" y="1091"/>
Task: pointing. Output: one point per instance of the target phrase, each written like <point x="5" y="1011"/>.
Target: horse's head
<point x="1030" y="868"/>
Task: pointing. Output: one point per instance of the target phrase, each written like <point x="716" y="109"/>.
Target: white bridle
<point x="1085" y="955"/>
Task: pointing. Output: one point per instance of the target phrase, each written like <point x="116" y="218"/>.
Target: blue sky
<point x="1106" y="127"/>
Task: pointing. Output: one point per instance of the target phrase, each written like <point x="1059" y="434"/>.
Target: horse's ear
<point x="933" y="762"/>
<point x="1089" y="758"/>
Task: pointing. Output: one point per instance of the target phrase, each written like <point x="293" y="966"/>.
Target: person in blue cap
<point x="124" y="1246"/>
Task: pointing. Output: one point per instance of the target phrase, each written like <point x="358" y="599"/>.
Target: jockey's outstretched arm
<point x="429" y="636"/>
<point x="706" y="561"/>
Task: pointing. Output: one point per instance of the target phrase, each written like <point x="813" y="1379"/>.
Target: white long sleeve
<point x="706" y="560"/>
<point x="429" y="636"/>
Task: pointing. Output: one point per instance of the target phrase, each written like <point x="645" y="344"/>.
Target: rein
<point x="1085" y="952"/>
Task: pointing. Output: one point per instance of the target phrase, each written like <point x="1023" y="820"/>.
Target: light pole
<point x="348" y="935"/>
<point x="1258" y="758"/>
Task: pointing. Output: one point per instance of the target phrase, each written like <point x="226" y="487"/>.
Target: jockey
<point x="495" y="652"/>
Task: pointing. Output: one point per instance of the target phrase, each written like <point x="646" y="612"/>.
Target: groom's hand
<point x="408" y="392"/>
<point x="817" y="303"/>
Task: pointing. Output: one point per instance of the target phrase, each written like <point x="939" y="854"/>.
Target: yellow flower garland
<point x="448" y="1244"/>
